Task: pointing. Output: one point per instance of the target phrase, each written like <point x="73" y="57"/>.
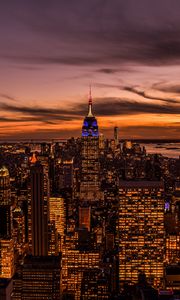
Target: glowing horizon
<point x="50" y="56"/>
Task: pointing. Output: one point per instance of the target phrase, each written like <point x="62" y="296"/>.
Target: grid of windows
<point x="141" y="231"/>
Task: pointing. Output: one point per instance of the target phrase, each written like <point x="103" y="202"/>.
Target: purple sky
<point x="129" y="51"/>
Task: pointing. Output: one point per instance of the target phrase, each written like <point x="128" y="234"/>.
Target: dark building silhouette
<point x="39" y="211"/>
<point x="41" y="278"/>
<point x="6" y="286"/>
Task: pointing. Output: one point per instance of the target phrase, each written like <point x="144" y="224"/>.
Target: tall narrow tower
<point x="39" y="211"/>
<point x="116" y="135"/>
<point x="90" y="156"/>
<point x="5" y="203"/>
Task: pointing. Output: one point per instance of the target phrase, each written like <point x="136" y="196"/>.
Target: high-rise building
<point x="6" y="258"/>
<point x="58" y="217"/>
<point x="38" y="211"/>
<point x="6" y="287"/>
<point x="5" y="191"/>
<point x="116" y="135"/>
<point x="141" y="231"/>
<point x="18" y="229"/>
<point x="41" y="278"/>
<point x="85" y="217"/>
<point x="172" y="228"/>
<point x="5" y="203"/>
<point x="53" y="239"/>
<point x="66" y="174"/>
<point x="89" y="187"/>
<point x="57" y="213"/>
<point x="76" y="263"/>
<point x="101" y="142"/>
<point x="172" y="248"/>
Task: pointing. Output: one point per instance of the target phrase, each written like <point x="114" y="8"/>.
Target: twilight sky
<point x="51" y="51"/>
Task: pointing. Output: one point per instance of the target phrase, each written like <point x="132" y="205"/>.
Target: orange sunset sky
<point x="51" y="51"/>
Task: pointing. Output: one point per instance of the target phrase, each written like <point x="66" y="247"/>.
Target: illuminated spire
<point x="90" y="103"/>
<point x="33" y="158"/>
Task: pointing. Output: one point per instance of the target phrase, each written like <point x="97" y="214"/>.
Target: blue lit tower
<point x="89" y="189"/>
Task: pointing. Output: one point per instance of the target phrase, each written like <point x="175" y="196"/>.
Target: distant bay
<point x="171" y="150"/>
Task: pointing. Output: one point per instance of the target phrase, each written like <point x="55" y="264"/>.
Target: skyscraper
<point x="6" y="258"/>
<point x="58" y="216"/>
<point x="5" y="203"/>
<point x="39" y="211"/>
<point x="41" y="278"/>
<point x="66" y="174"/>
<point x="89" y="187"/>
<point x="116" y="135"/>
<point x="141" y="231"/>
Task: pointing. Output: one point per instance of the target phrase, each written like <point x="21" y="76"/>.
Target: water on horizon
<point x="171" y="150"/>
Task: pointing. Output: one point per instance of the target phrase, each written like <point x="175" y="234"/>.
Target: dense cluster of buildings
<point x="88" y="218"/>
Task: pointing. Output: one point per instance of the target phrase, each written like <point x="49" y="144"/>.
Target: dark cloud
<point x="5" y="96"/>
<point x="107" y="85"/>
<point x="108" y="106"/>
<point x="167" y="87"/>
<point x="55" y="59"/>
<point x="49" y="113"/>
<point x="97" y="32"/>
<point x="143" y="49"/>
<point x="35" y="114"/>
<point x="30" y="119"/>
<point x="115" y="106"/>
<point x="12" y="120"/>
<point x="146" y="95"/>
<point x="108" y="71"/>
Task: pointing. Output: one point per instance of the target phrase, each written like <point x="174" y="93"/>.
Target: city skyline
<point x="51" y="53"/>
<point x="89" y="218"/>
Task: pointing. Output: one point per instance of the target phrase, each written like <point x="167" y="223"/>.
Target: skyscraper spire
<point x="90" y="127"/>
<point x="90" y="104"/>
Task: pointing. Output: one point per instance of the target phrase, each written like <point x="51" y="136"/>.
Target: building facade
<point x="141" y="231"/>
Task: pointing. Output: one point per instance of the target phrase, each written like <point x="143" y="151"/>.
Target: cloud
<point x="131" y="132"/>
<point x="117" y="106"/>
<point x="147" y="95"/>
<point x="105" y="106"/>
<point x="73" y="60"/>
<point x="41" y="113"/>
<point x="167" y="87"/>
<point x="108" y="70"/>
<point x="23" y="119"/>
<point x="105" y="35"/>
<point x="5" y="96"/>
<point x="107" y="85"/>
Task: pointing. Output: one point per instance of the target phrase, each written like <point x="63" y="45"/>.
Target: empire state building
<point x="89" y="189"/>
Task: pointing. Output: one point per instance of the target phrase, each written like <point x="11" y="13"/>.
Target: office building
<point x="6" y="288"/>
<point x="41" y="278"/>
<point x="116" y="135"/>
<point x="66" y="174"/>
<point x="141" y="231"/>
<point x="57" y="213"/>
<point x="5" y="203"/>
<point x="38" y="209"/>
<point x="90" y="183"/>
<point x="6" y="258"/>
